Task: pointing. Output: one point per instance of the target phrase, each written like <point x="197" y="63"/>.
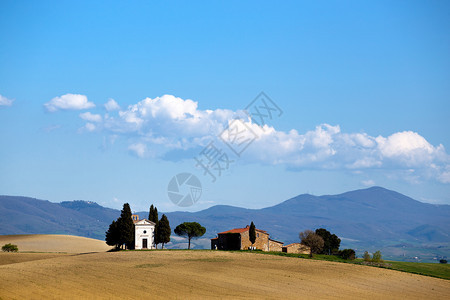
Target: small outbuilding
<point x="275" y="245"/>
<point x="296" y="248"/>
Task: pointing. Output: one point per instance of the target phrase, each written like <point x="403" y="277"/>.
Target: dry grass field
<point x="203" y="274"/>
<point x="54" y="243"/>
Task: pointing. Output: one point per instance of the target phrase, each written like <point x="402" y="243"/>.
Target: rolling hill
<point x="23" y="215"/>
<point x="203" y="274"/>
<point x="368" y="219"/>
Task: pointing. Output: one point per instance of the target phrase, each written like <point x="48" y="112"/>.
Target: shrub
<point x="347" y="254"/>
<point x="377" y="257"/>
<point x="10" y="248"/>
<point x="443" y="261"/>
<point x="366" y="256"/>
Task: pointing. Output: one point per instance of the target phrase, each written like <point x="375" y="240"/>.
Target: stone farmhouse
<point x="144" y="233"/>
<point x="238" y="239"/>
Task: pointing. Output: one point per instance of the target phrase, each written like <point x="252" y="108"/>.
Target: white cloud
<point x="368" y="182"/>
<point x="111" y="105"/>
<point x="68" y="102"/>
<point x="5" y="101"/>
<point x="169" y="120"/>
<point x="168" y="123"/>
<point x="444" y="174"/>
<point x="409" y="148"/>
<point x="90" y="127"/>
<point x="138" y="149"/>
<point x="88" y="116"/>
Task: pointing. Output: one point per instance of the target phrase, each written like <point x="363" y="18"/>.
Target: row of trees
<point x="162" y="227"/>
<point x="121" y="231"/>
<point x="189" y="230"/>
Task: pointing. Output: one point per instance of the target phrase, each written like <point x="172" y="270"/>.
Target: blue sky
<point x="364" y="89"/>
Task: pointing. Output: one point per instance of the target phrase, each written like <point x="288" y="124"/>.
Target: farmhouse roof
<point x="292" y="244"/>
<point x="241" y="230"/>
<point x="276" y="241"/>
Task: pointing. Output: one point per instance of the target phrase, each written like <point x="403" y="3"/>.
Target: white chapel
<point x="144" y="231"/>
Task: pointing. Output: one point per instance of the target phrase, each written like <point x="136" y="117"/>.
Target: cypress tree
<point x="150" y="213"/>
<point x="163" y="231"/>
<point x="113" y="236"/>
<point x="153" y="216"/>
<point x="252" y="233"/>
<point x="126" y="227"/>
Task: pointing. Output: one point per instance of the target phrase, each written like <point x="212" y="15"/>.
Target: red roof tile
<point x="240" y="230"/>
<point x="276" y="241"/>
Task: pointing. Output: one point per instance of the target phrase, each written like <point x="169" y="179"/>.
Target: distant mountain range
<point x="368" y="219"/>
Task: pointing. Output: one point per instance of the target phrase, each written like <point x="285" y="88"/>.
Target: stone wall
<point x="261" y="243"/>
<point x="275" y="245"/>
<point x="296" y="248"/>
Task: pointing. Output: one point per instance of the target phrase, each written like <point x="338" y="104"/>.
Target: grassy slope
<point x="427" y="269"/>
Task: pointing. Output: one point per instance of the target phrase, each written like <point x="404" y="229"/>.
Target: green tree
<point x="190" y="230"/>
<point x="366" y="256"/>
<point x="312" y="240"/>
<point x="10" y="248"/>
<point x="252" y="233"/>
<point x="122" y="232"/>
<point x="163" y="230"/>
<point x="331" y="241"/>
<point x="153" y="216"/>
<point x="113" y="235"/>
<point x="126" y="227"/>
<point x="376" y="257"/>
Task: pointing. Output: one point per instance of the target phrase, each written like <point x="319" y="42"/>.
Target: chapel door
<point x="144" y="243"/>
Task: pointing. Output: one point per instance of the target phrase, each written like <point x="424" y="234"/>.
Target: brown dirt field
<point x="13" y="258"/>
<point x="54" y="243"/>
<point x="208" y="274"/>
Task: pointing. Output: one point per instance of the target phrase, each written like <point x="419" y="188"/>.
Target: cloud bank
<point x="162" y="125"/>
<point x="68" y="102"/>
